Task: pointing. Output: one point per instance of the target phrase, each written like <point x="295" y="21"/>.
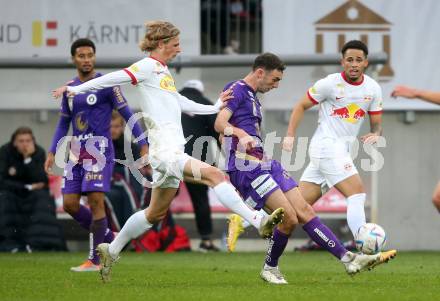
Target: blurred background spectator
<point x="199" y="126"/>
<point x="126" y="193"/>
<point x="27" y="211"/>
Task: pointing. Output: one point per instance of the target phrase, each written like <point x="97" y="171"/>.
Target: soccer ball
<point x="370" y="239"/>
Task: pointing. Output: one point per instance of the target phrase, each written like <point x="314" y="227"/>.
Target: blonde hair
<point x="157" y="31"/>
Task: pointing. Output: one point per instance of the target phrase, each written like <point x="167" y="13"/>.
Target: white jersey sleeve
<point x="376" y="104"/>
<point x="108" y="80"/>
<point x="140" y="71"/>
<point x="320" y="91"/>
<point x="189" y="106"/>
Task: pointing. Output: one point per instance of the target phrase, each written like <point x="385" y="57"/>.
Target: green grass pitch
<point x="230" y="277"/>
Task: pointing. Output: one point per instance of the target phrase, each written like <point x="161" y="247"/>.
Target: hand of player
<point x="247" y="142"/>
<point x="49" y="163"/>
<point x="225" y="96"/>
<point x="404" y="91"/>
<point x="57" y="93"/>
<point x="370" y="138"/>
<point x="288" y="143"/>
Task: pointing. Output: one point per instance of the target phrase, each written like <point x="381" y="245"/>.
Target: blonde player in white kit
<point x="163" y="106"/>
<point x="344" y="101"/>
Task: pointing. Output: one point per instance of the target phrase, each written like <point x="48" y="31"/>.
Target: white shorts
<point x="166" y="154"/>
<point x="168" y="168"/>
<point x="330" y="163"/>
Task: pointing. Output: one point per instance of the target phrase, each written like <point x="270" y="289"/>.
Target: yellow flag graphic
<point x="37" y="33"/>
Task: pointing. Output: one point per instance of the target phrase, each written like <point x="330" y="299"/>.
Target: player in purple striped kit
<point x="263" y="183"/>
<point x="91" y="157"/>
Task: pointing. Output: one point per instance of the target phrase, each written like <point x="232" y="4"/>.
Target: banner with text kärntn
<point x="46" y="28"/>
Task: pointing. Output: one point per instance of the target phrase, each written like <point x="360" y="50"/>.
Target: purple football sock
<point x="98" y="229"/>
<point x="324" y="237"/>
<point x="83" y="217"/>
<point x="277" y="244"/>
<point x="109" y="236"/>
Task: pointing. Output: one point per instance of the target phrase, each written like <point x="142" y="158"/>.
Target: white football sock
<point x="136" y="225"/>
<point x="356" y="212"/>
<point x="227" y="195"/>
<point x="261" y="212"/>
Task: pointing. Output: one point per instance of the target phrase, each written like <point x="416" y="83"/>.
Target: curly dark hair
<point x="355" y="44"/>
<point x="82" y="43"/>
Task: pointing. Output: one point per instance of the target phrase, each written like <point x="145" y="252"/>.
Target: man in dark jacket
<point x="199" y="126"/>
<point x="126" y="192"/>
<point x="27" y="211"/>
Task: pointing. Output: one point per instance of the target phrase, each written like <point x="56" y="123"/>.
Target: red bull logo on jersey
<point x="351" y="113"/>
<point x="167" y="83"/>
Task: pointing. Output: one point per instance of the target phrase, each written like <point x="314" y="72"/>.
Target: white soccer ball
<point x="370" y="239"/>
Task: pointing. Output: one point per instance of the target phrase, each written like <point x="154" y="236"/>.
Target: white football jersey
<point x="160" y="99"/>
<point x="343" y="105"/>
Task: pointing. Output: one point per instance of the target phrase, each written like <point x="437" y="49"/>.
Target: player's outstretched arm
<point x="294" y="121"/>
<point x="116" y="78"/>
<point x="192" y="107"/>
<point x="409" y="92"/>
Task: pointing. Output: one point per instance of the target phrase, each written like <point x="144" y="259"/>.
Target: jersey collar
<point x="249" y="87"/>
<point x="160" y="61"/>
<point x="76" y="79"/>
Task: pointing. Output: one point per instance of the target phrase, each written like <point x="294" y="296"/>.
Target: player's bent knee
<point x="154" y="218"/>
<point x="289" y="221"/>
<point x="307" y="212"/>
<point x="97" y="209"/>
<point x="71" y="207"/>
